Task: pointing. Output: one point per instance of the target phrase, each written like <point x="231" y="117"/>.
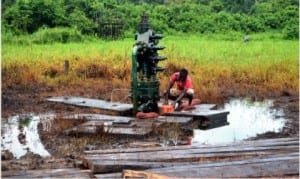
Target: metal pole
<point x="134" y="79"/>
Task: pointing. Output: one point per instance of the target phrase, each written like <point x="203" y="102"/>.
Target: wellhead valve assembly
<point x="145" y="84"/>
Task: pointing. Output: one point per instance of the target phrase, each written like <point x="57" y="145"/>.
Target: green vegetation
<point x="207" y="37"/>
<point x="167" y="16"/>
<point x="262" y="66"/>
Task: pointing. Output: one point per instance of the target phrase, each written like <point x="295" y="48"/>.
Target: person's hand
<point x="176" y="106"/>
<point x="166" y="92"/>
<point x="173" y="104"/>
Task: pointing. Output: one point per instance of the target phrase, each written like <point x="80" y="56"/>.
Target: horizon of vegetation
<point x="39" y="35"/>
<point x="47" y="21"/>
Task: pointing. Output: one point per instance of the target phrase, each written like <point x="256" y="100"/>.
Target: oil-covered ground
<point x="65" y="150"/>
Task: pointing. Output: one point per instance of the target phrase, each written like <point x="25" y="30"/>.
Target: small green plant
<point x="25" y="121"/>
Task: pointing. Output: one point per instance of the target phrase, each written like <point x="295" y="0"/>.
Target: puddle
<point x="20" y="135"/>
<point x="246" y="119"/>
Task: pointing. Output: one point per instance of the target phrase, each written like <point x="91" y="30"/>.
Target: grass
<point x="219" y="67"/>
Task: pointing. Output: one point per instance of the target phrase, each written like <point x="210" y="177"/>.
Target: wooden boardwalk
<point x="205" y="114"/>
<point x="122" y="125"/>
<point x="203" y="117"/>
<point x="261" y="158"/>
<point x="92" y="103"/>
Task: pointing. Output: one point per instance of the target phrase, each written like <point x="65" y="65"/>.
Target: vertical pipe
<point x="134" y="79"/>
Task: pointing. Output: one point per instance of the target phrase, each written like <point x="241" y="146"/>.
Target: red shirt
<point x="187" y="84"/>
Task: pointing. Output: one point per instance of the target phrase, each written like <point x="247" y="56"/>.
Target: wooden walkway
<point x="205" y="114"/>
<point x="92" y="103"/>
<point x="122" y="125"/>
<point x="262" y="158"/>
<point x="203" y="117"/>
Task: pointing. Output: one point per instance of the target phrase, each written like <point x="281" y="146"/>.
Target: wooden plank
<point x="101" y="166"/>
<point x="199" y="107"/>
<point x="264" y="142"/>
<point x="47" y="173"/>
<point x="209" y="118"/>
<point x="137" y="131"/>
<point x="212" y="122"/>
<point x="133" y="127"/>
<point x="101" y="117"/>
<point x="117" y="164"/>
<point x="142" y="174"/>
<point x="248" y="155"/>
<point x="267" y="167"/>
<point x="94" y="103"/>
<point x="205" y="107"/>
<point x="175" y="154"/>
<point x="160" y="161"/>
<point x="106" y="123"/>
<point x="172" y="119"/>
<point x="239" y="161"/>
<point x="108" y="166"/>
<point x="117" y="175"/>
<point x="204" y="114"/>
<point x="144" y="144"/>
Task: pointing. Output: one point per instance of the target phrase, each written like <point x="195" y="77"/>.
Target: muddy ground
<point x="66" y="150"/>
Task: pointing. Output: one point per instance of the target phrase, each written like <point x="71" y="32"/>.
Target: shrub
<point x="59" y="34"/>
<point x="291" y="29"/>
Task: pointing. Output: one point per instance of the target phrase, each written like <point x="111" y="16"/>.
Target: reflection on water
<point x="246" y="119"/>
<point x="20" y="135"/>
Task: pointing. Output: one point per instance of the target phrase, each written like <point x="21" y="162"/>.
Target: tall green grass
<point x="265" y="65"/>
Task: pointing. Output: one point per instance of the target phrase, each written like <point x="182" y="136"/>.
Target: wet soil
<point x="66" y="150"/>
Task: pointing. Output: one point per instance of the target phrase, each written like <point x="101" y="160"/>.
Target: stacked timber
<point x="263" y="158"/>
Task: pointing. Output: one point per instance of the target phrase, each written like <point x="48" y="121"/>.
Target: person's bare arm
<point x="170" y="85"/>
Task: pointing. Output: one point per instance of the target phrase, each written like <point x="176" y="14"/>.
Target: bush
<point x="59" y="34"/>
<point x="291" y="30"/>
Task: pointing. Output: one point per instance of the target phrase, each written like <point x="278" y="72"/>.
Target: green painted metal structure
<point x="145" y="84"/>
